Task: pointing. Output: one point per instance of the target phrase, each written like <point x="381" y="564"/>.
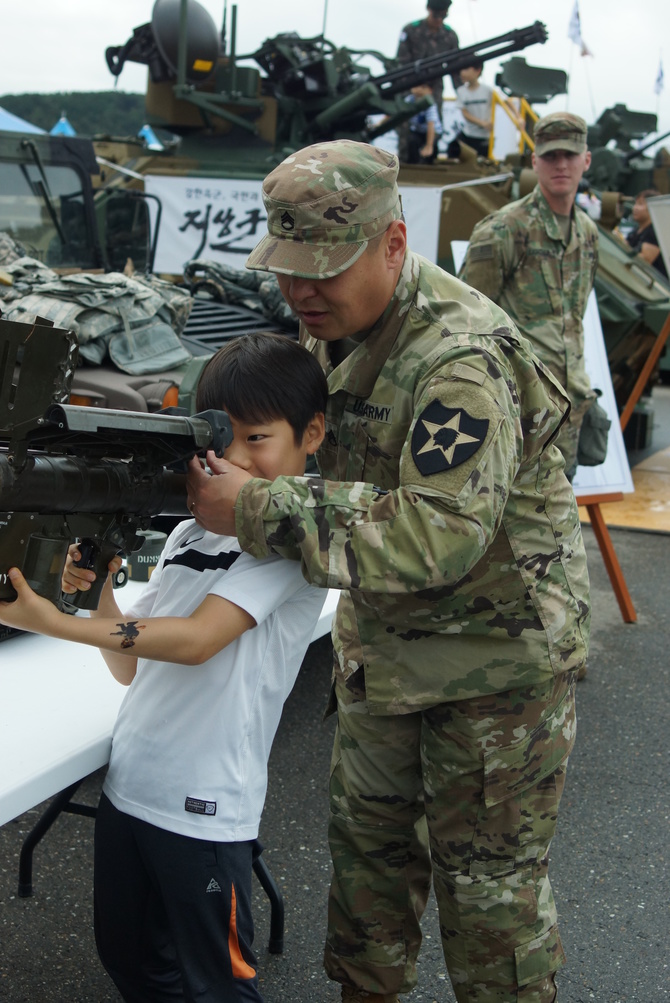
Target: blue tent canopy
<point x="12" y="123"/>
<point x="62" y="127"/>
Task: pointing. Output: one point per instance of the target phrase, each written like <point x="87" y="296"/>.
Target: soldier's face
<point x="559" y="171"/>
<point x="436" y="17"/>
<point x="351" y="302"/>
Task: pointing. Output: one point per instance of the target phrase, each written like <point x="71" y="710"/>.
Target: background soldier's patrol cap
<point x="438" y="4"/>
<point x="560" y="131"/>
<point x="324" y="203"/>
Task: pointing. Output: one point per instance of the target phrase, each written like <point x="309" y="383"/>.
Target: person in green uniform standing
<point x="428" y="36"/>
<point x="444" y="515"/>
<point x="537" y="259"/>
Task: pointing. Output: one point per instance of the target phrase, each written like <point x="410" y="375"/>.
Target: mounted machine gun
<point x="312" y="90"/>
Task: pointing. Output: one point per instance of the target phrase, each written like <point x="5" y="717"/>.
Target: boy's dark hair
<point x="475" y="64"/>
<point x="264" y="377"/>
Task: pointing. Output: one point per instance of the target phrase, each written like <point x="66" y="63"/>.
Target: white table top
<point x="58" y="704"/>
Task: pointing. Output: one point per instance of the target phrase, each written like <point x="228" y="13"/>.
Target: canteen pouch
<point x="592" y="445"/>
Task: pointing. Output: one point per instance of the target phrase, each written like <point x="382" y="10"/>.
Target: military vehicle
<point x="237" y="120"/>
<point x="55" y="204"/>
<point x="234" y="116"/>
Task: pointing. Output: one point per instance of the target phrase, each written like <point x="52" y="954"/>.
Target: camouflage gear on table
<point x="348" y="196"/>
<point x="470" y="535"/>
<point x="135" y="321"/>
<point x="519" y="258"/>
<point x="241" y="287"/>
<point x="560" y="131"/>
<point x="493" y="772"/>
<point x="10" y="250"/>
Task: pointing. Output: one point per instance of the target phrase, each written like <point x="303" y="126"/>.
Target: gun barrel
<point x="442" y="63"/>
<point x="68" y="485"/>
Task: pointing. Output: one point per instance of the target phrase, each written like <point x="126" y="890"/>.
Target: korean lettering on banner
<point x="216" y="219"/>
<point x="222" y="220"/>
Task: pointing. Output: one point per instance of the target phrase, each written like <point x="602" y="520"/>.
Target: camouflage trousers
<point x="465" y="793"/>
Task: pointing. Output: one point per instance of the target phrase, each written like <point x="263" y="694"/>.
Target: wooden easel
<point x="593" y="502"/>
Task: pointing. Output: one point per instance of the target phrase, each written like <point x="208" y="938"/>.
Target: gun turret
<point x="331" y="96"/>
<point x="89" y="475"/>
<point x="312" y="90"/>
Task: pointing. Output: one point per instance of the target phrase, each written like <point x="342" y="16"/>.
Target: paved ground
<point x="609" y="858"/>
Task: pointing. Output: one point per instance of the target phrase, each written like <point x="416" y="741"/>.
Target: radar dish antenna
<point x="203" y="42"/>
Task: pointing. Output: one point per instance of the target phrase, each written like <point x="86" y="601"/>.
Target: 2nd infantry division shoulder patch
<point x="445" y="437"/>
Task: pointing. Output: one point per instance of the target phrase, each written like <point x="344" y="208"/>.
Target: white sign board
<point x="613" y="475"/>
<point x="222" y="220"/>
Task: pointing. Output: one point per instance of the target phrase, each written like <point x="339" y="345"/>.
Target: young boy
<point x="475" y="102"/>
<point x="210" y="651"/>
<point x="424" y="128"/>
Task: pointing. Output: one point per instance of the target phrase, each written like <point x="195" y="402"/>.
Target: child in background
<point x="424" y="129"/>
<point x="475" y="102"/>
<point x="210" y="652"/>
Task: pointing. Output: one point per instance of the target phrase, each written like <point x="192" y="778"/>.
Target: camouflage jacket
<point x="518" y="258"/>
<point x="418" y="41"/>
<point x="446" y="516"/>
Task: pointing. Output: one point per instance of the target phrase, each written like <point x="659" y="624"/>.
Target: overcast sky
<point x="60" y="46"/>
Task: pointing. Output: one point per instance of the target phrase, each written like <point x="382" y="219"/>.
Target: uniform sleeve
<point x="489" y="259"/>
<point x="456" y="469"/>
<point x="405" y="52"/>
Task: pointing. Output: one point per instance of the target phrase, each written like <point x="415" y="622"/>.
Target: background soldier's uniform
<point x="464" y="617"/>
<point x="418" y="41"/>
<point x="519" y="258"/>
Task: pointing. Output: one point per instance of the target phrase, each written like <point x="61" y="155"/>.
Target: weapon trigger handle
<point x="96" y="557"/>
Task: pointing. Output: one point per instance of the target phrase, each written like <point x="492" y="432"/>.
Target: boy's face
<point x="470" y="75"/>
<point x="268" y="449"/>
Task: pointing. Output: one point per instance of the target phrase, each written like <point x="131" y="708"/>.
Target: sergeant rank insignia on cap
<point x="445" y="437"/>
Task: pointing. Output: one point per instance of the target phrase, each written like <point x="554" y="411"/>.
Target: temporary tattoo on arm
<point x="129" y="631"/>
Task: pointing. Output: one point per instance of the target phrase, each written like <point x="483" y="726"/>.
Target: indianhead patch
<point x="445" y="437"/>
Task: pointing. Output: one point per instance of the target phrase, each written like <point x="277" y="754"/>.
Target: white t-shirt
<point x="478" y="103"/>
<point x="191" y="742"/>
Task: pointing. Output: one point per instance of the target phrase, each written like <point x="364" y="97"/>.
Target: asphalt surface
<point x="609" y="860"/>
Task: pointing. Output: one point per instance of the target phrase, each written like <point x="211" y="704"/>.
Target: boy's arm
<point x="122" y="666"/>
<point x="483" y="123"/>
<point x="188" y="640"/>
<point x="427" y="148"/>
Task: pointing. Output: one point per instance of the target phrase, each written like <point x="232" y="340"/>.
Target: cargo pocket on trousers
<point x="537" y="960"/>
<point x="522" y="787"/>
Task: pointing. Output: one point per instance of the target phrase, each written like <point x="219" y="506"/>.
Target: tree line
<point x="94" y="113"/>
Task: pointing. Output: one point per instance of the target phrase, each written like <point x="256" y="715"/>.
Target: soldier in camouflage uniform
<point x="445" y="517"/>
<point x="537" y="259"/>
<point x="428" y="37"/>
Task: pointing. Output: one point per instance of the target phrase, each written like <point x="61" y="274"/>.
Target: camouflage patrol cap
<point x="324" y="203"/>
<point x="560" y="131"/>
<point x="438" y="4"/>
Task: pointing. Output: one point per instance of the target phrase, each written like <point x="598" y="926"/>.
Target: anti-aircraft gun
<point x="312" y="90"/>
<point x="91" y="475"/>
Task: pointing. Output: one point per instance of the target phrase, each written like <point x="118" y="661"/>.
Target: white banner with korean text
<point x="222" y="220"/>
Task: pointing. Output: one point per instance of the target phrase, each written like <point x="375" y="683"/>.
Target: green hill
<point x="94" y="113"/>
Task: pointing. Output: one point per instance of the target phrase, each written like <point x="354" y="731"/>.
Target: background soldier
<point x="447" y="520"/>
<point x="427" y="37"/>
<point x="537" y="259"/>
